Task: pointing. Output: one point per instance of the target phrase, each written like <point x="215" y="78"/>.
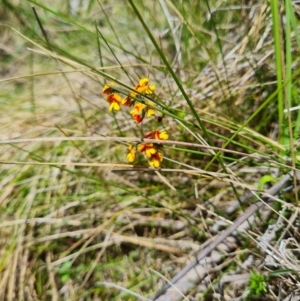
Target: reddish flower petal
<point x="107" y="89"/>
<point x="137" y="118"/>
<point x="128" y="101"/>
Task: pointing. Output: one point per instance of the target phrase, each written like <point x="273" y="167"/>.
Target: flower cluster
<point x="141" y="107"/>
<point x="151" y="150"/>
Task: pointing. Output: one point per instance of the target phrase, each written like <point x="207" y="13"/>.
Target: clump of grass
<point x="257" y="284"/>
<point x="80" y="222"/>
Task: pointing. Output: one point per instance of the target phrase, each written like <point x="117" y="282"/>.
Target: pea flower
<point x="115" y="100"/>
<point x="147" y="148"/>
<point x="140" y="110"/>
<point x="154" y="156"/>
<point x="143" y="88"/>
<point x="158" y="135"/>
<point x="131" y="154"/>
<point x="155" y="159"/>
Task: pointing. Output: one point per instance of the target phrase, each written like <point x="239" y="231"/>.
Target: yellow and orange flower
<point x="158" y="135"/>
<point x="155" y="159"/>
<point x="143" y="86"/>
<point x="147" y="148"/>
<point x="140" y="110"/>
<point x="131" y="154"/>
<point x="115" y="100"/>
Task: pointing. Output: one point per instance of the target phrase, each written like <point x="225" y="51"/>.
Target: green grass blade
<point x="170" y="69"/>
<point x="279" y="68"/>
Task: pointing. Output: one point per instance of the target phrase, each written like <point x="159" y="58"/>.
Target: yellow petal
<point x="150" y="89"/>
<point x="150" y="151"/>
<point x="142" y="89"/>
<point x="114" y="106"/>
<point x="163" y="136"/>
<point x="141" y="106"/>
<point x="138" y="107"/>
<point x="144" y="81"/>
<point x="150" y="112"/>
<point x="141" y="148"/>
<point x="154" y="163"/>
<point x="131" y="154"/>
<point x="117" y="98"/>
<point x="132" y="94"/>
<point x="133" y="111"/>
<point x="131" y="157"/>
